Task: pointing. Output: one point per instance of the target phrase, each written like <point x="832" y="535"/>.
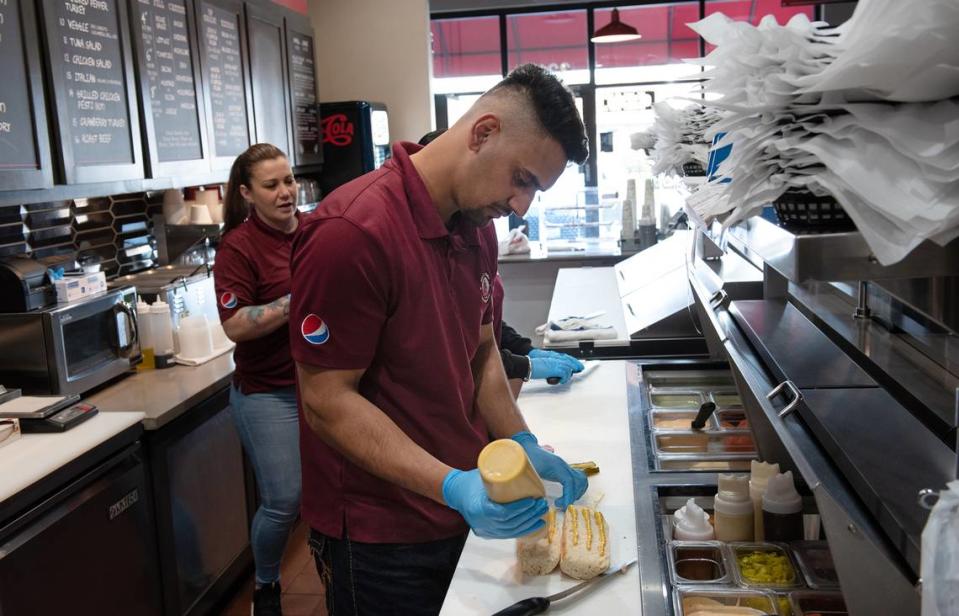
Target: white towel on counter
<point x="574" y="328"/>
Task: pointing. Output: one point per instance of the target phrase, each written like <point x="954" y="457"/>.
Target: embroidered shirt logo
<point x="485" y="287"/>
<point x="314" y="330"/>
<point x="228" y="300"/>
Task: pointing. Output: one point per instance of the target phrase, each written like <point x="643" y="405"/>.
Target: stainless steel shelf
<point x="833" y="256"/>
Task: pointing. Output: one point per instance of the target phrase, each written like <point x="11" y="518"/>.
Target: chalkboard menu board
<point x="91" y="73"/>
<point x="307" y="140"/>
<point x="24" y="150"/>
<point x="221" y="50"/>
<point x="269" y="76"/>
<point x="169" y="84"/>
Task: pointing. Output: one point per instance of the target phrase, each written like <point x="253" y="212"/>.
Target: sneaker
<point x="266" y="600"/>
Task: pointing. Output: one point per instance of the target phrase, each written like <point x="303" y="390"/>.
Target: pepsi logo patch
<point x="314" y="330"/>
<point x="485" y="287"/>
<point x="228" y="300"/>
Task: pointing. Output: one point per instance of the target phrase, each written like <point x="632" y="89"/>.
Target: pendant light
<point x="615" y="31"/>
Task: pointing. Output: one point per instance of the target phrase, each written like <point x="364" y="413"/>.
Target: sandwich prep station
<point x="842" y="372"/>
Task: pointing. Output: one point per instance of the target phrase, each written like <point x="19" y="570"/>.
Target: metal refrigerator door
<point x="885" y="453"/>
<point x="795" y="349"/>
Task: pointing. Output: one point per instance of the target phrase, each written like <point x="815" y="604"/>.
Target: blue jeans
<point x="269" y="430"/>
<point x="385" y="579"/>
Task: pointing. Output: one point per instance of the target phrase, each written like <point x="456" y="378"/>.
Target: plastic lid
<point x="781" y="496"/>
<point x="760" y="473"/>
<point x="160" y="306"/>
<point x="733" y="486"/>
<point x="692" y="523"/>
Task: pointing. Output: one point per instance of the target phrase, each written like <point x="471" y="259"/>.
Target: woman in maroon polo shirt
<point x="252" y="277"/>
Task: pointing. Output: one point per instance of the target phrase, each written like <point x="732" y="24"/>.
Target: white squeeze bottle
<point x="759" y="475"/>
<point x="162" y="334"/>
<point x="733" y="509"/>
<point x="691" y="523"/>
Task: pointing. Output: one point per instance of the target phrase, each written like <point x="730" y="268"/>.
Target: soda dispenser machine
<point x="356" y="140"/>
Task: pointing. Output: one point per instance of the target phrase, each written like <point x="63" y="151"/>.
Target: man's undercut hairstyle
<point x="554" y="106"/>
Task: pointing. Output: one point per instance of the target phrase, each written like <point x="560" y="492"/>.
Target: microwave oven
<point x="70" y="348"/>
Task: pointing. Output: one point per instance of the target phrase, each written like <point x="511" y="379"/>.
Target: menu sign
<point x="167" y="70"/>
<point x="17" y="146"/>
<point x="220" y="36"/>
<point x="305" y="110"/>
<point x="86" y="50"/>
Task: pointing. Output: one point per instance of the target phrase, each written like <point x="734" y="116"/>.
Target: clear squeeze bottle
<point x="734" y="510"/>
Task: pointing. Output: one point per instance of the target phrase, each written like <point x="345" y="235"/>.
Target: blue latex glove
<point x="549" y="368"/>
<point x="464" y="492"/>
<point x="551" y="467"/>
<point x="573" y="363"/>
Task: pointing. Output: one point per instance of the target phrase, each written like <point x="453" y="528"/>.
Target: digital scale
<point x="44" y="413"/>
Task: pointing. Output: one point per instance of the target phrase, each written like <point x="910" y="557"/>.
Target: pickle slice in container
<point x="763" y="565"/>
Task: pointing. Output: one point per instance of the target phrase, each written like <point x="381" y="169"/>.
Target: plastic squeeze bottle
<point x="782" y="509"/>
<point x="734" y="510"/>
<point x="145" y="332"/>
<point x="760" y="473"/>
<point x="691" y="523"/>
<point x="163" y="346"/>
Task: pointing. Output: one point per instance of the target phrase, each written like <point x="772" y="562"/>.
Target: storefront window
<point x="466" y="54"/>
<point x="658" y="55"/>
<point x="457" y="105"/>
<point x="622" y="111"/>
<point x="556" y="40"/>
<point x="552" y="215"/>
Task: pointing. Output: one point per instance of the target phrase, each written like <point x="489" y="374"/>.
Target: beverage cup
<point x="200" y="214"/>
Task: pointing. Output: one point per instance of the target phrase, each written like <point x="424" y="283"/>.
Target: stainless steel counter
<point x="164" y="395"/>
<point x="539" y="251"/>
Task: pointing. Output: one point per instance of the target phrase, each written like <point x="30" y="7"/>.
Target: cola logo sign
<point x="337" y="130"/>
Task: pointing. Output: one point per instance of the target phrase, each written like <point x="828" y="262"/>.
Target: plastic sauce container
<point x="816" y="603"/>
<point x="733" y="509"/>
<point x="763" y="565"/>
<point x="691" y="523"/>
<point x="725" y="400"/>
<point x="782" y="509"/>
<point x="686" y="400"/>
<point x="815" y="562"/>
<point x="759" y="476"/>
<point x="697" y="562"/>
<point x="692" y="600"/>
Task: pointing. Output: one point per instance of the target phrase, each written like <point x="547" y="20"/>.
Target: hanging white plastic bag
<point x="939" y="567"/>
<point x="515" y="243"/>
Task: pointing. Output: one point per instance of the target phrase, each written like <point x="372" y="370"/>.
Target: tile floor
<point x="303" y="593"/>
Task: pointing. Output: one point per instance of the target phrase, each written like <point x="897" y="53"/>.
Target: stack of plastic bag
<point x="939" y="567"/>
<point x="681" y="136"/>
<point x="894" y="50"/>
<point x="824" y="110"/>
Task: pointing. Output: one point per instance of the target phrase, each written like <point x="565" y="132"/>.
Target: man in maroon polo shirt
<point x="400" y="382"/>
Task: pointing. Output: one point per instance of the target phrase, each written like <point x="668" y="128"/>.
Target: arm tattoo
<point x="255" y="313"/>
<point x="282" y="304"/>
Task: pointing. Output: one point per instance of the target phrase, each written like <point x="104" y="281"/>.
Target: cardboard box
<point x="72" y="288"/>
